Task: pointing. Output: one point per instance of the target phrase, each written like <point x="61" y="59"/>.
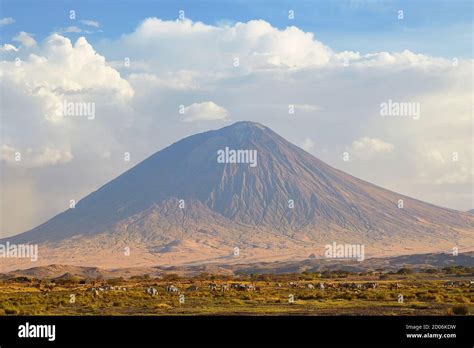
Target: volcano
<point x="241" y="193"/>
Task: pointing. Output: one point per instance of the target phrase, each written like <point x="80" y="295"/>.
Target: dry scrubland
<point x="431" y="292"/>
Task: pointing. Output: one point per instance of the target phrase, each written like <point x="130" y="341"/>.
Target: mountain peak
<point x="245" y="130"/>
<point x="267" y="197"/>
<point x="247" y="125"/>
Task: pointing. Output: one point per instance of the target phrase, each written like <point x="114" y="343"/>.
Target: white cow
<point x="151" y="291"/>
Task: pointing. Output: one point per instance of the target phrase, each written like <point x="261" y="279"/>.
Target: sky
<point x="357" y="25"/>
<point x="157" y="71"/>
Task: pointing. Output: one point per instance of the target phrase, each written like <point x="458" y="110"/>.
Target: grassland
<point x="424" y="293"/>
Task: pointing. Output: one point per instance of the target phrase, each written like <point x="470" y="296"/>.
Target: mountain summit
<point x="242" y="187"/>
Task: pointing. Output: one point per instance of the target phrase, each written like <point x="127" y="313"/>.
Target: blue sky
<point x="433" y="27"/>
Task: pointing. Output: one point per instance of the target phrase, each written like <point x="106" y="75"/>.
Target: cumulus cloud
<point x="57" y="73"/>
<point x="25" y="39"/>
<point x="63" y="71"/>
<point x="206" y="111"/>
<point x="6" y="21"/>
<point x="252" y="45"/>
<point x="366" y="148"/>
<point x="8" y="48"/>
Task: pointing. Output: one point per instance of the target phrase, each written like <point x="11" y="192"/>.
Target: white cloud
<point x="206" y="111"/>
<point x="25" y="39"/>
<point x="307" y="144"/>
<point x="256" y="44"/>
<point x="90" y="23"/>
<point x="366" y="148"/>
<point x="30" y="158"/>
<point x="242" y="48"/>
<point x="65" y="71"/>
<point x="179" y="80"/>
<point x="6" y="21"/>
<point x="72" y="29"/>
<point x="405" y="59"/>
<point x="8" y="48"/>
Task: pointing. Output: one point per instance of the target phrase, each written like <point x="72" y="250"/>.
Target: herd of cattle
<point x="97" y="290"/>
<point x="214" y="287"/>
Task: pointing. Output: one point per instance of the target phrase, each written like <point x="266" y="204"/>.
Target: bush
<point x="115" y="281"/>
<point x="405" y="271"/>
<point x="460" y="310"/>
<point x="11" y="311"/>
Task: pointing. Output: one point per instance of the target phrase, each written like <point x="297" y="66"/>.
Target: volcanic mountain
<point x="187" y="204"/>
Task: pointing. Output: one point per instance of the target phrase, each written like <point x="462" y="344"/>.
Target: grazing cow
<point x="452" y="283"/>
<point x="309" y="286"/>
<point x="224" y="287"/>
<point x="212" y="286"/>
<point x="45" y="292"/>
<point x="395" y="286"/>
<point x="171" y="288"/>
<point x="250" y="287"/>
<point x="279" y="285"/>
<point x="370" y="285"/>
<point x="293" y="285"/>
<point x="471" y="284"/>
<point x="320" y="286"/>
<point x="151" y="291"/>
<point x="241" y="287"/>
<point x="96" y="294"/>
<point x="193" y="288"/>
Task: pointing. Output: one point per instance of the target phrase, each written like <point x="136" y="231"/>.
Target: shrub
<point x="460" y="310"/>
<point x="11" y="311"/>
<point x="115" y="281"/>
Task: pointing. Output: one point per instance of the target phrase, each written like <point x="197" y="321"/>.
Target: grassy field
<point x="426" y="293"/>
